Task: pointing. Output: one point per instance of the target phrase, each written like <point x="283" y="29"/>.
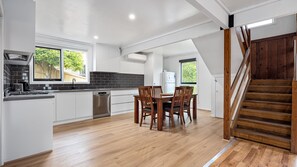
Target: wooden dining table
<point x="160" y="99"/>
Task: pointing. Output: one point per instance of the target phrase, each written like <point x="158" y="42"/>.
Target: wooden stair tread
<point x="278" y="129"/>
<point x="264" y="122"/>
<point x="272" y="94"/>
<point x="270" y="89"/>
<point x="268" y="102"/>
<point x="271" y="82"/>
<point x="263" y="96"/>
<point x="274" y="115"/>
<point x="273" y="86"/>
<point x="268" y="105"/>
<point x="278" y="141"/>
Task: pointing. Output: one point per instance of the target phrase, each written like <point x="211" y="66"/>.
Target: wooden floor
<point x="245" y="153"/>
<point x="118" y="142"/>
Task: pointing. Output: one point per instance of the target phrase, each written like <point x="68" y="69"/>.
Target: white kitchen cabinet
<point x="73" y="106"/>
<point x="27" y="127"/>
<point x="122" y="101"/>
<point x="65" y="106"/>
<point x="19" y="25"/>
<point x="84" y="104"/>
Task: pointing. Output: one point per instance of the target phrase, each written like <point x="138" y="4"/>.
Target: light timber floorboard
<point x="117" y="142"/>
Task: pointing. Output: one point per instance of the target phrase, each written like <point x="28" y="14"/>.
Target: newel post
<point x="227" y="82"/>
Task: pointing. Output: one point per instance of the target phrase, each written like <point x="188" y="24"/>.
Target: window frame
<point x="62" y="48"/>
<point x="61" y="64"/>
<point x="181" y="70"/>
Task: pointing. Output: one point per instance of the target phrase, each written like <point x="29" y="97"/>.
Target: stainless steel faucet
<point x="73" y="82"/>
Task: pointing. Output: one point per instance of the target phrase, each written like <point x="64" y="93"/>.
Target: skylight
<point x="260" y="23"/>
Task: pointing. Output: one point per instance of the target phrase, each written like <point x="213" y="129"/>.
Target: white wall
<point x="1" y="89"/>
<point x="108" y="59"/>
<point x="211" y="49"/>
<point x="283" y="25"/>
<point x="153" y="68"/>
<point x="204" y="77"/>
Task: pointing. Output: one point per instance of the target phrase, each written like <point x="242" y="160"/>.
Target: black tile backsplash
<point x="16" y="73"/>
<point x="7" y="76"/>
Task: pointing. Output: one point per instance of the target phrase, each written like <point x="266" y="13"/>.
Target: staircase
<point x="265" y="113"/>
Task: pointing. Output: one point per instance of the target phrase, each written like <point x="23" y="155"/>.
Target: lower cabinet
<point x="122" y="101"/>
<point x="27" y="128"/>
<point x="71" y="106"/>
<point x="65" y="106"/>
<point x="83" y="104"/>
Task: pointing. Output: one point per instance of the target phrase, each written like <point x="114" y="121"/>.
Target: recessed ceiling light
<point x="260" y="23"/>
<point x="132" y="16"/>
<point x="96" y="37"/>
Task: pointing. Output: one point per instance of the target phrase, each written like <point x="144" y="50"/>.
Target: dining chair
<point x="148" y="108"/>
<point x="157" y="90"/>
<point x="188" y="92"/>
<point x="176" y="106"/>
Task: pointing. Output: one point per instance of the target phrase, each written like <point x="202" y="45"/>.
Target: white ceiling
<point x="82" y="19"/>
<point x="235" y="6"/>
<point x="178" y="49"/>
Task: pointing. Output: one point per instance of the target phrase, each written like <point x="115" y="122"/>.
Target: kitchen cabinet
<point x="27" y="127"/>
<point x="83" y="104"/>
<point x="65" y="108"/>
<point x="122" y="101"/>
<point x="73" y="106"/>
<point x="19" y="25"/>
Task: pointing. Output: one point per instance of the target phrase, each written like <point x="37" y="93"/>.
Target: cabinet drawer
<point x="124" y="92"/>
<point x="122" y="107"/>
<point x="122" y="99"/>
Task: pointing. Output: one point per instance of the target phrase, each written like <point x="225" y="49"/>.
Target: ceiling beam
<point x="272" y="10"/>
<point x="169" y="38"/>
<point x="213" y="10"/>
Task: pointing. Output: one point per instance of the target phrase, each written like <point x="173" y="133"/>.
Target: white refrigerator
<point x="168" y="82"/>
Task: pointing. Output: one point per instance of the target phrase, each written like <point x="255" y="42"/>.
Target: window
<point x="188" y="71"/>
<point x="47" y="64"/>
<point x="51" y="64"/>
<point x="260" y="23"/>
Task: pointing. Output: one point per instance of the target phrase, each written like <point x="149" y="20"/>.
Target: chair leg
<point x="152" y="119"/>
<point x="172" y="119"/>
<point x="141" y="119"/>
<point x="189" y="114"/>
<point x="144" y="116"/>
<point x="182" y="118"/>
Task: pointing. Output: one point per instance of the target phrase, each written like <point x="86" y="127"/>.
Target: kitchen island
<point x="28" y="125"/>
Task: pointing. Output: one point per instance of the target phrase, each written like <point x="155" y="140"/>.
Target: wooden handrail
<point x="241" y="44"/>
<point x="239" y="72"/>
<point x="245" y="36"/>
<point x="240" y="90"/>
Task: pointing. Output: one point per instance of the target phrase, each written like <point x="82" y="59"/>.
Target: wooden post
<point x="294" y="118"/>
<point x="227" y="82"/>
<point x="294" y="105"/>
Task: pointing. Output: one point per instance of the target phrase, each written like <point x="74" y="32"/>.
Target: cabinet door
<point x="84" y="104"/>
<point x="65" y="103"/>
<point x="19" y="25"/>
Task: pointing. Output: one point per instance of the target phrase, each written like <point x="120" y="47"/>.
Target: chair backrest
<point x="157" y="90"/>
<point x="188" y="91"/>
<point x="178" y="97"/>
<point x="145" y="94"/>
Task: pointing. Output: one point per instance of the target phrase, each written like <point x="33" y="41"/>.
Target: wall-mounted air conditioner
<point x="137" y="57"/>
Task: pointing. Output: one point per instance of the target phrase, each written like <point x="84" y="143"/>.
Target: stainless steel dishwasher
<point x="101" y="104"/>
